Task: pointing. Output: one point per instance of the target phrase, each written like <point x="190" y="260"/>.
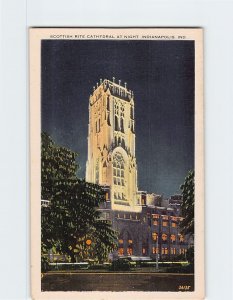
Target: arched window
<point x="131" y="112"/>
<point x="118" y="169"/>
<point x="116" y="123"/>
<point x="122" y="125"/>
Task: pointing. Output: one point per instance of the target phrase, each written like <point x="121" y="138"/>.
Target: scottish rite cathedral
<point x="136" y="215"/>
<point x="111" y="144"/>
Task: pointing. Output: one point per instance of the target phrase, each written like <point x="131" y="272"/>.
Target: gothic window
<point x="118" y="169"/>
<point x="132" y="126"/>
<point x="116" y="123"/>
<point x="131" y="112"/>
<point x="108" y="120"/>
<point x="123" y="143"/>
<point x="122" y="125"/>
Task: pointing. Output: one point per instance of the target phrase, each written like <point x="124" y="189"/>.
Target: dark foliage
<point x="71" y="224"/>
<point x="187" y="188"/>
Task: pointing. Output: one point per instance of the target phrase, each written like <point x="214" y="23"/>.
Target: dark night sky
<point x="161" y="74"/>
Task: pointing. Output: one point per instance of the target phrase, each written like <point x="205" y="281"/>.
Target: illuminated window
<point x="165" y="224"/>
<point x="120" y="241"/>
<point x="164" y="237"/>
<point x="143" y="250"/>
<point x="182" y="251"/>
<point x="129" y="251"/>
<point x="173" y="250"/>
<point x="174" y="224"/>
<point x="173" y="238"/>
<point x="154" y="236"/>
<point x="106" y="196"/>
<point x="130" y="241"/>
<point x="155" y="250"/>
<point x="155" y="222"/>
<point x="164" y="251"/>
<point x="181" y="238"/>
<point x="120" y="251"/>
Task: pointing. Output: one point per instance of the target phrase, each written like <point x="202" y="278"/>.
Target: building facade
<point x="144" y="227"/>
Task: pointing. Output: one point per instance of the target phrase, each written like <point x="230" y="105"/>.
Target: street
<point x="117" y="281"/>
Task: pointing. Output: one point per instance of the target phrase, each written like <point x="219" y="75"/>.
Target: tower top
<point x="116" y="89"/>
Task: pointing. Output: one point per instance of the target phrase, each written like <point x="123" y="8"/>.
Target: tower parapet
<point x="115" y="89"/>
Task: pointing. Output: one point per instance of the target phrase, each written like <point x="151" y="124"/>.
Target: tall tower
<point x="111" y="143"/>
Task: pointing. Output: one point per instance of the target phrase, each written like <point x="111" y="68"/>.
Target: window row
<point x="164" y="223"/>
<point x="165" y="237"/>
<point x="156" y="250"/>
<point x="119" y="196"/>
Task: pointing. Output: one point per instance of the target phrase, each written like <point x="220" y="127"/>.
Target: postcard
<point x="117" y="165"/>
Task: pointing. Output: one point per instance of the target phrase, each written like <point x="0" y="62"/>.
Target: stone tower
<point x="111" y="143"/>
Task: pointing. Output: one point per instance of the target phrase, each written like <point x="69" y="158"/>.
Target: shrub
<point x="120" y="265"/>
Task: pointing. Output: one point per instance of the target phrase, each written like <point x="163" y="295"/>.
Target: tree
<point x="71" y="224"/>
<point x="187" y="207"/>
